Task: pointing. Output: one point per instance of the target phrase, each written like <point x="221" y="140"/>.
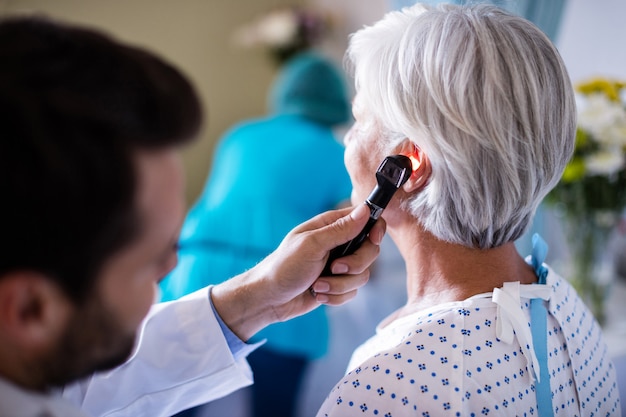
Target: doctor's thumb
<point x="349" y="226"/>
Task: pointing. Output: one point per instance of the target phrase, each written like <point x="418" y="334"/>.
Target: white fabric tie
<point x="511" y="319"/>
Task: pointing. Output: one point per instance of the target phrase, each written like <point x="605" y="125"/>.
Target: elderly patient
<point x="482" y="99"/>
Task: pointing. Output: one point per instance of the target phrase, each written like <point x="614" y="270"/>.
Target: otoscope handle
<point x="394" y="171"/>
<point x="351" y="246"/>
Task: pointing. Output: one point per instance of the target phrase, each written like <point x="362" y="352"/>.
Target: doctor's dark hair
<point x="76" y="106"/>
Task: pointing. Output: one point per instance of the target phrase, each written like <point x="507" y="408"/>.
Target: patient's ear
<point x="33" y="309"/>
<point x="421" y="166"/>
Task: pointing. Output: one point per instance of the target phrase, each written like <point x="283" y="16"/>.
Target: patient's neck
<point x="439" y="272"/>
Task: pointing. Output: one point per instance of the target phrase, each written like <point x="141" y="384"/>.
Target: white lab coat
<point x="182" y="359"/>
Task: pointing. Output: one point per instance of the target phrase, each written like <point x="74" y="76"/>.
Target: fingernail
<point x="322" y="298"/>
<point x="321" y="286"/>
<point x="339" y="268"/>
<point x="360" y="211"/>
<point x="378" y="238"/>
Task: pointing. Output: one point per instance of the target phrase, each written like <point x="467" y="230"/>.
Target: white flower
<point x="605" y="162"/>
<point x="279" y="28"/>
<point x="604" y="119"/>
<point x="276" y="29"/>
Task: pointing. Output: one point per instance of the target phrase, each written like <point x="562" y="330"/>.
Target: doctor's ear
<point x="33" y="310"/>
<point x="421" y="167"/>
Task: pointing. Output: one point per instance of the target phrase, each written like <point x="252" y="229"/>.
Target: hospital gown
<point x="449" y="361"/>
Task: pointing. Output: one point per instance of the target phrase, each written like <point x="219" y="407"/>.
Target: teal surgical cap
<point x="311" y="86"/>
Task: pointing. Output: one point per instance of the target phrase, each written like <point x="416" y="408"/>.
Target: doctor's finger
<point x="357" y="262"/>
<point x="341" y="284"/>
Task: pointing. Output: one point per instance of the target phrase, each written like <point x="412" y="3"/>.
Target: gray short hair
<point x="486" y="95"/>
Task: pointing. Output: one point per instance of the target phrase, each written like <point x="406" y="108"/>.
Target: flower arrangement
<point x="599" y="162"/>
<point x="285" y="32"/>
<point x="592" y="192"/>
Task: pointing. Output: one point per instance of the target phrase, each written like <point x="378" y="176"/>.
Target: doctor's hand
<point x="277" y="289"/>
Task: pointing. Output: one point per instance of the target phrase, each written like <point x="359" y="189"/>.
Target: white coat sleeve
<point x="181" y="360"/>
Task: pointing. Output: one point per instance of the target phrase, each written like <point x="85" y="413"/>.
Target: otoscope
<point x="392" y="173"/>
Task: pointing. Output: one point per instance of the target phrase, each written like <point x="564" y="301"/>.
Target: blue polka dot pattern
<point x="447" y="361"/>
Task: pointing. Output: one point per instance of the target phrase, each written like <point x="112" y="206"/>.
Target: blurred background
<point x="214" y="42"/>
<point x="200" y="36"/>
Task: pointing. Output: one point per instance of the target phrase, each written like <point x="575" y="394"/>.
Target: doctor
<point x="92" y="202"/>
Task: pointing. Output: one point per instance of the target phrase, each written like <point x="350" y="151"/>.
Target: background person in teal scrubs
<point x="268" y="175"/>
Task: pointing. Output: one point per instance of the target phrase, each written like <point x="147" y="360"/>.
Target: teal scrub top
<point x="268" y="176"/>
